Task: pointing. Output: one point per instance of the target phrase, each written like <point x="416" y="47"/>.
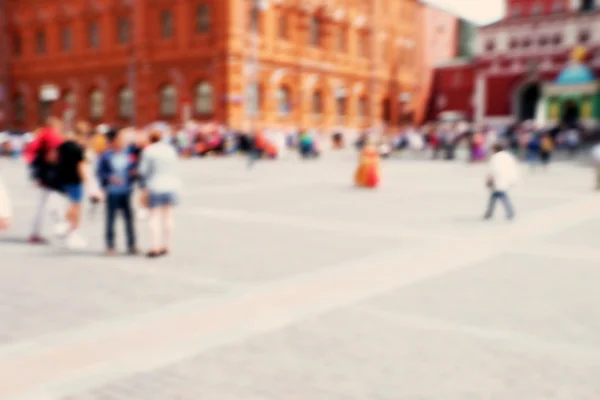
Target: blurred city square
<point x="288" y="283"/>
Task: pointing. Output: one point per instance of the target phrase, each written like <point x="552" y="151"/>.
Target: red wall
<point x="456" y="85"/>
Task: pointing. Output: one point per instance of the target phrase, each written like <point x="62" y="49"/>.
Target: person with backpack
<point x="41" y="156"/>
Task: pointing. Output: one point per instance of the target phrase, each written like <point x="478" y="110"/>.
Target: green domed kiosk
<point x="575" y="94"/>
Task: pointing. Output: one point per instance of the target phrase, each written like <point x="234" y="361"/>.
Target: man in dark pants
<point x="116" y="174"/>
<point x="503" y="174"/>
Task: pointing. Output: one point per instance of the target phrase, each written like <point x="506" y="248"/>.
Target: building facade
<point x="518" y="61"/>
<point x="445" y="37"/>
<point x="309" y="63"/>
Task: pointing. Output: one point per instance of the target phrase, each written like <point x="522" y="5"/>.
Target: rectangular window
<point x="66" y="39"/>
<point x="94" y="35"/>
<point x="123" y="30"/>
<point x="203" y="18"/>
<point x="40" y="42"/>
<point x="283" y="26"/>
<point x="255" y="23"/>
<point x="362" y="46"/>
<point x="17" y="45"/>
<point x="166" y="24"/>
<point x="19" y="104"/>
<point x="341" y="109"/>
<point x="342" y="40"/>
<point x="314" y="32"/>
<point x="362" y="107"/>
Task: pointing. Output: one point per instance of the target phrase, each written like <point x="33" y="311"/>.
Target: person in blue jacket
<point x="117" y="173"/>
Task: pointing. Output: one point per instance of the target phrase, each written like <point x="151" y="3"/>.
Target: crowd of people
<point x="138" y="168"/>
<point x="108" y="165"/>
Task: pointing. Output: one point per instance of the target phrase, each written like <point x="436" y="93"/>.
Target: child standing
<point x="116" y="174"/>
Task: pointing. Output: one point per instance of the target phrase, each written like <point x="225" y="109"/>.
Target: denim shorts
<point x="74" y="192"/>
<point x="162" y="199"/>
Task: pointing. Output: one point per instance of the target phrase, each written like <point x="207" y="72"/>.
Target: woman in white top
<point x="5" y="209"/>
<point x="159" y="173"/>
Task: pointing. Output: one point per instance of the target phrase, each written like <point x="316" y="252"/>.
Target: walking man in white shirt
<point x="503" y="174"/>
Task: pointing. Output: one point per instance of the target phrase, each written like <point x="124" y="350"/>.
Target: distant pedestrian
<point x="596" y="163"/>
<point x="546" y="148"/>
<point x="116" y="174"/>
<point x="572" y="139"/>
<point x="503" y="175"/>
<point x="159" y="173"/>
<point x="41" y="156"/>
<point x="257" y="148"/>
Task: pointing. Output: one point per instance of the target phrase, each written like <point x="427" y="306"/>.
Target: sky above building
<point x="478" y="11"/>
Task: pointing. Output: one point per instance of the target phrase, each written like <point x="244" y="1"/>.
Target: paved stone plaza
<point x="288" y="284"/>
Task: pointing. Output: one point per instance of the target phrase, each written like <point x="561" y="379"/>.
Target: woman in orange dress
<point x="368" y="174"/>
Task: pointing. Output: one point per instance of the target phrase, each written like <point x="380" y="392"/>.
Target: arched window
<point x="125" y="103"/>
<point x="317" y="103"/>
<point x="19" y="105"/>
<point x="168" y="101"/>
<point x="96" y="103"/>
<point x="283" y="100"/>
<point x="204" y="98"/>
<point x="315" y="32"/>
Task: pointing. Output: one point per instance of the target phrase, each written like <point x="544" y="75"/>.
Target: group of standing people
<point x="106" y="165"/>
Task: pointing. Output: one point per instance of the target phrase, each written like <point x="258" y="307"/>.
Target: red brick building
<point x="317" y="63"/>
<point x="514" y="57"/>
